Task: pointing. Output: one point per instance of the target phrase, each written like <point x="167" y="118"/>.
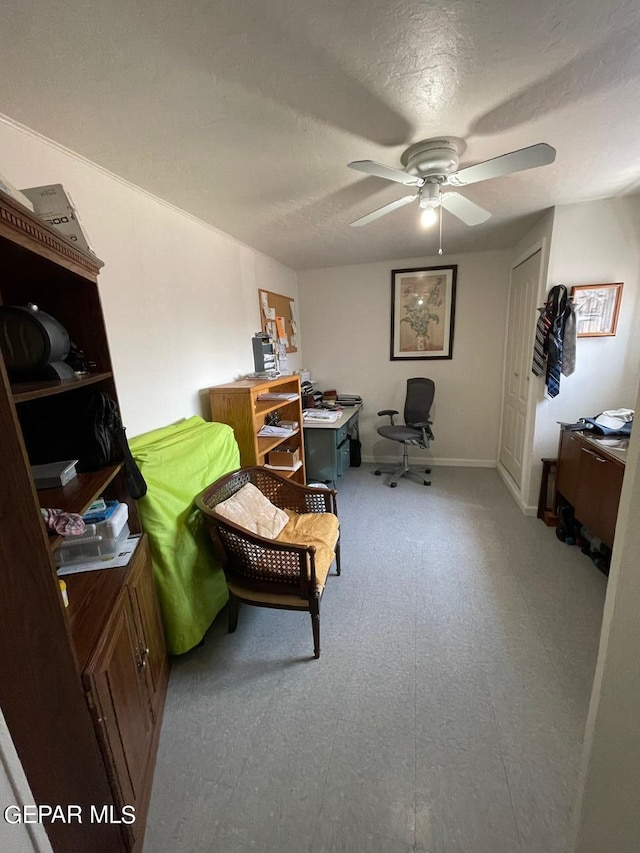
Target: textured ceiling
<point x="246" y="113"/>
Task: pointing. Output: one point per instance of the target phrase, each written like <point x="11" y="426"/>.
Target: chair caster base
<point x="427" y="470"/>
<point x="392" y="485"/>
<point x="377" y="473"/>
<point x="426" y="482"/>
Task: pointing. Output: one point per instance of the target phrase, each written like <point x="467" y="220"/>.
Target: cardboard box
<point x="285" y="457"/>
<point x="54" y="206"/>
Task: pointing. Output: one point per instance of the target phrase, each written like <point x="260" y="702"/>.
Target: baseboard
<point x="421" y="460"/>
<point x="507" y="479"/>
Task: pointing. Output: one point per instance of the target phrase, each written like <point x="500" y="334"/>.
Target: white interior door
<point x="520" y="333"/>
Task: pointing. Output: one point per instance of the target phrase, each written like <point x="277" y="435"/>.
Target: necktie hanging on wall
<point x="569" y="340"/>
<point x="539" y="349"/>
<point x="558" y="299"/>
<point x="548" y="347"/>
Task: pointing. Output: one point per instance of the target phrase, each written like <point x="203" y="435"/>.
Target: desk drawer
<point x="344" y="457"/>
<point x="341" y="434"/>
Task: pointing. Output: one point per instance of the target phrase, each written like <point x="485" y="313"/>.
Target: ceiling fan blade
<point x="380" y="171"/>
<point x="517" y="161"/>
<point x="468" y="211"/>
<point x="382" y="211"/>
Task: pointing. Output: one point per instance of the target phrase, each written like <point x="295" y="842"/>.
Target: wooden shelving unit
<point x="65" y="672"/>
<point x="23" y="391"/>
<point x="238" y="404"/>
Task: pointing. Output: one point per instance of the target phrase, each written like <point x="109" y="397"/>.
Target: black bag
<point x="355" y="455"/>
<point x="102" y="441"/>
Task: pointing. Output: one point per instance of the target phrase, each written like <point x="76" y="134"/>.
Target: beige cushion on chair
<point x="314" y="528"/>
<point x="250" y="509"/>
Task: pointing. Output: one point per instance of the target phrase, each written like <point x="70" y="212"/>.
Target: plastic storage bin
<point x="80" y="549"/>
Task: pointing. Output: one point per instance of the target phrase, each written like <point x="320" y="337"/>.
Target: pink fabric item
<point x="64" y="523"/>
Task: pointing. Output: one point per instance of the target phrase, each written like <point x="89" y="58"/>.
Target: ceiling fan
<point x="432" y="164"/>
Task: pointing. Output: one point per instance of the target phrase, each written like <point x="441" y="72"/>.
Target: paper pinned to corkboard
<point x="278" y="318"/>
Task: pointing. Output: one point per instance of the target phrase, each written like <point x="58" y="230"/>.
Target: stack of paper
<point x="321" y="415"/>
<point x="273" y="395"/>
<point x="268" y="430"/>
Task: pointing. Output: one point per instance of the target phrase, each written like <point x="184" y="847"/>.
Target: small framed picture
<point x="596" y="308"/>
<point x="423" y="302"/>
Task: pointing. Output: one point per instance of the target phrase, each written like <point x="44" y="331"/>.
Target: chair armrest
<point x="390" y="413"/>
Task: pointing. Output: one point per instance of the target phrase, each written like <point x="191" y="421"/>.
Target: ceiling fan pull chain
<point x="440" y="218"/>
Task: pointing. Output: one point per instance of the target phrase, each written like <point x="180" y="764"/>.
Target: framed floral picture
<point x="596" y="307"/>
<point x="423" y="302"/>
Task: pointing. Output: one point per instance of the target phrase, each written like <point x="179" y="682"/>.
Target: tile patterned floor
<point x="445" y="714"/>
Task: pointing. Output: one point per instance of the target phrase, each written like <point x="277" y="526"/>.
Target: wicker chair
<point x="273" y="572"/>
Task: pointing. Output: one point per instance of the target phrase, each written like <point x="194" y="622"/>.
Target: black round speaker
<point x="34" y="344"/>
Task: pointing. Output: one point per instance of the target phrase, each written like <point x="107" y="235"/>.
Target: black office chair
<point x="415" y="433"/>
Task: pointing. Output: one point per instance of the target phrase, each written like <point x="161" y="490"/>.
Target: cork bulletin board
<point x="278" y="318"/>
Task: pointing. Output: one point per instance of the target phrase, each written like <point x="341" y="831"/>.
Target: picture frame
<point x="423" y="301"/>
<point x="596" y="308"/>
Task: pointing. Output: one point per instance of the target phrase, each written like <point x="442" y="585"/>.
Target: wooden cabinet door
<point x="569" y="460"/>
<point x="152" y="648"/>
<point x="118" y="698"/>
<point x="596" y="504"/>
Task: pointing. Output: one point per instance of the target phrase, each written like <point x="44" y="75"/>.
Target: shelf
<point x="267" y="443"/>
<point x="263" y="407"/>
<point x="23" y="391"/>
<point x="78" y="494"/>
<point x="236" y="404"/>
<point x="284" y="472"/>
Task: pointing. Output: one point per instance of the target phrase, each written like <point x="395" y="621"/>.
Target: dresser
<point x="589" y="479"/>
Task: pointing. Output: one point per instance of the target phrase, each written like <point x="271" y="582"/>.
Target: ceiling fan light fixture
<point x="428" y="217"/>
<point x="433" y="163"/>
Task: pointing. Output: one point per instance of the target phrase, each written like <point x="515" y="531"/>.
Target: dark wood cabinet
<point x="152" y="652"/>
<point x="125" y="680"/>
<point x="589" y="479"/>
<point x="81" y="687"/>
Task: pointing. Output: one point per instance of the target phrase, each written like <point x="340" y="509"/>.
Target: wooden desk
<point x="326" y="445"/>
<point x="589" y="479"/>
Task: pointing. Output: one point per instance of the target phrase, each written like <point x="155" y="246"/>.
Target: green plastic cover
<point x="178" y="462"/>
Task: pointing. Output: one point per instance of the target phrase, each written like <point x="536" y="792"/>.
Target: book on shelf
<point x="53" y="475"/>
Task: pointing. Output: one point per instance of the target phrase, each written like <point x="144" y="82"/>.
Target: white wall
<point x="594" y="242"/>
<point x="15" y="791"/>
<point x="180" y="299"/>
<point x="345" y="314"/>
<point x="608" y="814"/>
